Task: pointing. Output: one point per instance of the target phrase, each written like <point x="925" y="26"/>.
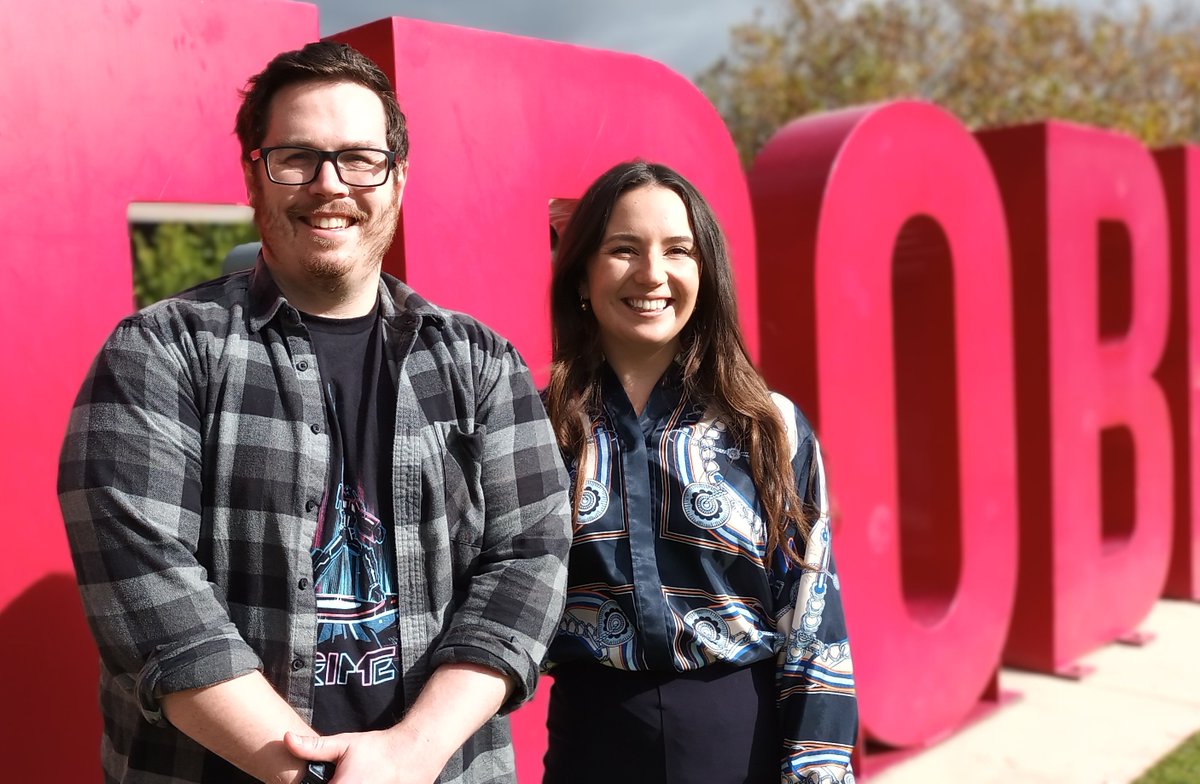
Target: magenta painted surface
<point x="920" y="671"/>
<point x="1179" y="372"/>
<point x="1078" y="589"/>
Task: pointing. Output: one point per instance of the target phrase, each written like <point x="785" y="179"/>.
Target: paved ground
<point x="1138" y="704"/>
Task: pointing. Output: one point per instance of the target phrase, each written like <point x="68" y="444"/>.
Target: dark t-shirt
<point x="354" y="565"/>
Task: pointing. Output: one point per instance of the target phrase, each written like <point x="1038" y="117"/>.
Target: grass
<point x="1181" y="766"/>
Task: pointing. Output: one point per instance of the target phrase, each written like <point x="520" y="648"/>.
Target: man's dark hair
<point x="324" y="61"/>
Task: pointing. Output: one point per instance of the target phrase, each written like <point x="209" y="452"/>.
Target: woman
<point x="703" y="639"/>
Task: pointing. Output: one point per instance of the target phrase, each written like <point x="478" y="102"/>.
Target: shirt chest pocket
<point x="462" y="467"/>
<point x="453" y="501"/>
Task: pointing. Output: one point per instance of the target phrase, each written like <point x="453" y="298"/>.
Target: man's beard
<point x="376" y="232"/>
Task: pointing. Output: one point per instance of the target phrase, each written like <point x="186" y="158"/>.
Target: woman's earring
<point x="584" y="305"/>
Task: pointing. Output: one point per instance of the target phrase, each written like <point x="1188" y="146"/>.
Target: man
<point x="314" y="517"/>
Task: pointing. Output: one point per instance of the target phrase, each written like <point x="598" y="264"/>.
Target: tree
<point x="170" y="257"/>
<point x="990" y="62"/>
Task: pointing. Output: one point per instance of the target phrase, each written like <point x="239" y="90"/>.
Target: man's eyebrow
<point x="351" y="145"/>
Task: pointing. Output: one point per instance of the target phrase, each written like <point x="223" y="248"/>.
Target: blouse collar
<point x="664" y="397"/>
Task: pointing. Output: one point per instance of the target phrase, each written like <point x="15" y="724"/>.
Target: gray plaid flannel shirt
<point x="190" y="479"/>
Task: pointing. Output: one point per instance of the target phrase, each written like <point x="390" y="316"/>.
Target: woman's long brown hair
<point x="716" y="365"/>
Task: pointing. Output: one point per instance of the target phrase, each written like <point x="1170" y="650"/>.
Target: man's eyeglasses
<point x="361" y="167"/>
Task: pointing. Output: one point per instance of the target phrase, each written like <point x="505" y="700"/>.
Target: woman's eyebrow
<point x="625" y="236"/>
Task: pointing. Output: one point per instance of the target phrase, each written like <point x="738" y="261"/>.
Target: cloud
<point x="687" y="35"/>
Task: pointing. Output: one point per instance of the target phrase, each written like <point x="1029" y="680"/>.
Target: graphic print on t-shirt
<point x="356" y="597"/>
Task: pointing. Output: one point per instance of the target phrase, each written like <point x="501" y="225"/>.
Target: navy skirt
<point x="717" y="725"/>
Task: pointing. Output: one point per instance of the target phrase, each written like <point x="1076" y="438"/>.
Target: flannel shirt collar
<point x="399" y="305"/>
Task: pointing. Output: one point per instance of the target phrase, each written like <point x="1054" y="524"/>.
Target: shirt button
<point x="302" y="366"/>
<point x="297" y="663"/>
<point x="311" y="505"/>
<point x="303" y="583"/>
<point x="315" y="428"/>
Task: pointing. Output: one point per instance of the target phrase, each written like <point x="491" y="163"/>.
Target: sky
<point x="687" y="35"/>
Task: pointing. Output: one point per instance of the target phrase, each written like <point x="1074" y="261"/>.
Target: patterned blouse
<point x="668" y="569"/>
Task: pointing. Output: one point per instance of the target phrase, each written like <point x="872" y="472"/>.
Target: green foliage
<point x="1131" y="66"/>
<point x="1181" y="766"/>
<point x="170" y="257"/>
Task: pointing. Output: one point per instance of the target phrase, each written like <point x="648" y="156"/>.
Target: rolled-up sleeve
<point x="515" y="596"/>
<point x="130" y="490"/>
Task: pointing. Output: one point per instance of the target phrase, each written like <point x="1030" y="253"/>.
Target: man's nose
<point x="327" y="182"/>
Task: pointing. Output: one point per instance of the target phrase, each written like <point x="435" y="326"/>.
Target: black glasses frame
<point x="331" y="156"/>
